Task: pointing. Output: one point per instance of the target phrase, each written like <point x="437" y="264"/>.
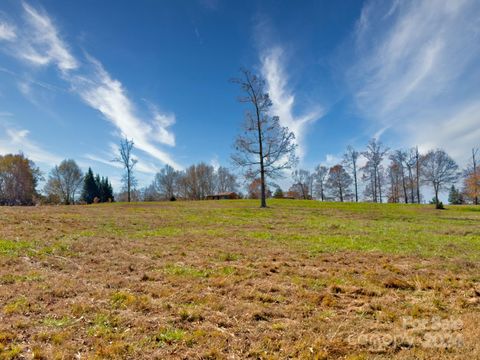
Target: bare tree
<point x="197" y="181"/>
<point x="439" y="170"/>
<point x="472" y="175"/>
<point x="182" y="185"/>
<point x="64" y="181"/>
<point x="372" y="170"/>
<point x="398" y="163"/>
<point x="265" y="148"/>
<point x="394" y="175"/>
<point x="418" y="168"/>
<point x="320" y="176"/>
<point x="225" y="180"/>
<point x="411" y="165"/>
<point x="303" y="183"/>
<point x="206" y="180"/>
<point x="165" y="182"/>
<point x="350" y="160"/>
<point x="339" y="182"/>
<point x="191" y="183"/>
<point x="128" y="162"/>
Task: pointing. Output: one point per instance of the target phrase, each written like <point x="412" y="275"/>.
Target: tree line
<point x="394" y="176"/>
<point x="375" y="174"/>
<point x="265" y="150"/>
<point x="19" y="179"/>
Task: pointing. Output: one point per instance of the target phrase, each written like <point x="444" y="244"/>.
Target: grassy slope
<point x="213" y="279"/>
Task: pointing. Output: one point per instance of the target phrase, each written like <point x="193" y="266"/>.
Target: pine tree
<point x="90" y="187"/>
<point x="109" y="190"/>
<point x="278" y="194"/>
<point x="455" y="197"/>
<point x="98" y="182"/>
<point x="105" y="190"/>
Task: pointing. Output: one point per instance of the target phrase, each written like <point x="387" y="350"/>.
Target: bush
<point x="440" y="206"/>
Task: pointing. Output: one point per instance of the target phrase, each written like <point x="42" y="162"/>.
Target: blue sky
<point x="76" y="76"/>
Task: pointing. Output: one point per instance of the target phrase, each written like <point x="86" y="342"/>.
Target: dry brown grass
<point x="226" y="280"/>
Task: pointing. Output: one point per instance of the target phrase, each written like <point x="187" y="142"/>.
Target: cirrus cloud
<point x="416" y="72"/>
<point x="39" y="44"/>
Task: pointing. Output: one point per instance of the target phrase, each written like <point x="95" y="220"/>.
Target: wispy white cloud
<point x="7" y="32"/>
<point x="107" y="158"/>
<point x="331" y="160"/>
<point x="283" y="98"/>
<point x="103" y="160"/>
<point x="214" y="162"/>
<point x="416" y="71"/>
<point x="40" y="44"/>
<point x="16" y="140"/>
<point x="107" y="95"/>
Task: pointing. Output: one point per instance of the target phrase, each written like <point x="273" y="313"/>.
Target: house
<point x="222" y="196"/>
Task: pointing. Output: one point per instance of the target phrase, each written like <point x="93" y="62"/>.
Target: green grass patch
<point x="185" y="270"/>
<point x="14" y="247"/>
<point x="170" y="336"/>
<point x="57" y="322"/>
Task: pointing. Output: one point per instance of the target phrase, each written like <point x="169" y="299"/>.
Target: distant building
<point x="223" y="196"/>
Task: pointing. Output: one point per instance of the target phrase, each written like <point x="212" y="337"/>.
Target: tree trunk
<point x="404" y="188"/>
<point x="355" y="179"/>
<point x="474" y="161"/>
<point x="263" y="203"/>
<point x="417" y="157"/>
<point x="379" y="188"/>
<point x="128" y="185"/>
<point x="410" y="179"/>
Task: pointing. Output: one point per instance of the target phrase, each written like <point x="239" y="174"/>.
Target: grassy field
<point x="228" y="280"/>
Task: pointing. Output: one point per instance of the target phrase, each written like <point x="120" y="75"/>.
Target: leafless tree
<point x="472" y="172"/>
<point x="182" y="185"/>
<point x="350" y="160"/>
<point x="375" y="154"/>
<point x="192" y="187"/>
<point x="197" y="181"/>
<point x="439" y="170"/>
<point x="265" y="148"/>
<point x="303" y="183"/>
<point x="128" y="161"/>
<point x="398" y="164"/>
<point x="418" y="168"/>
<point x="412" y="157"/>
<point x="64" y="181"/>
<point x="225" y="180"/>
<point x="206" y="179"/>
<point x="339" y="182"/>
<point x="320" y="176"/>
<point x="165" y="182"/>
<point x="394" y="172"/>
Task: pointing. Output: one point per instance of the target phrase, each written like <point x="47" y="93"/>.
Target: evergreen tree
<point x="105" y="190"/>
<point x="278" y="194"/>
<point x="109" y="190"/>
<point x="90" y="187"/>
<point x="455" y="197"/>
<point x="98" y="182"/>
